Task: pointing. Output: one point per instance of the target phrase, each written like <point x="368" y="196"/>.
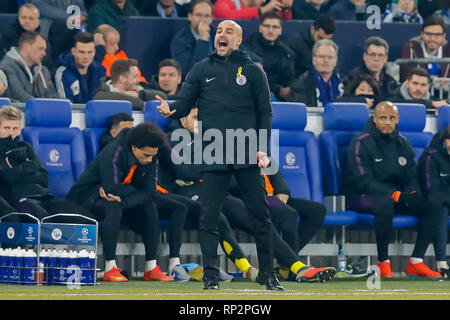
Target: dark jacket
<point x="27" y="177"/>
<point x="187" y="50"/>
<point x="345" y="10"/>
<point x="302" y="44"/>
<point x="108" y="170"/>
<point x="303" y="89"/>
<point x="387" y="83"/>
<point x="71" y="84"/>
<point x="277" y="60"/>
<point x="107" y="91"/>
<point x="305" y="11"/>
<point x="107" y="12"/>
<point x="433" y="170"/>
<point x="231" y="93"/>
<point x="413" y="49"/>
<point x="379" y="164"/>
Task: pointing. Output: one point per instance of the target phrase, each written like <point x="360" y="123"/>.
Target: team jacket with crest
<point x="379" y="164"/>
<point x="231" y="93"/>
<point x="434" y="172"/>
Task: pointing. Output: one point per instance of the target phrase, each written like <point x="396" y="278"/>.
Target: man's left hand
<point x="263" y="160"/>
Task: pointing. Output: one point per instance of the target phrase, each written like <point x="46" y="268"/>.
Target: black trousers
<point x="214" y="190"/>
<point x="142" y="219"/>
<point x="383" y="208"/>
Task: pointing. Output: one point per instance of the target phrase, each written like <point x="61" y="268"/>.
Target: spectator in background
<point x="431" y="43"/>
<point x="160" y="8"/>
<point x="277" y="57"/>
<point x="4" y="92"/>
<point x="363" y="89"/>
<point x="349" y="10"/>
<point x="110" y="12"/>
<point x="27" y="77"/>
<point x="251" y="9"/>
<point x="308" y="9"/>
<point x="27" y="20"/>
<point x="78" y="75"/>
<point x="434" y="178"/>
<point x="124" y="85"/>
<point x="194" y="42"/>
<point x="168" y="79"/>
<point x="110" y="49"/>
<point x="320" y="84"/>
<point x="53" y="23"/>
<point x="405" y="11"/>
<point x="416" y="89"/>
<point x="376" y="52"/>
<point x="303" y="42"/>
<point x="380" y="178"/>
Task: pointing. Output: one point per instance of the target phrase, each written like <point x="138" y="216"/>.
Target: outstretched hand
<point x="164" y="108"/>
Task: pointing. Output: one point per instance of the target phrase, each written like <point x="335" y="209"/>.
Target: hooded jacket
<point x="434" y="172"/>
<point x="25" y="82"/>
<point x="71" y="84"/>
<point x="302" y="44"/>
<point x="27" y="176"/>
<point x="379" y="164"/>
<point x="278" y="61"/>
<point x="414" y="48"/>
<point x="232" y="94"/>
<point x="108" y="170"/>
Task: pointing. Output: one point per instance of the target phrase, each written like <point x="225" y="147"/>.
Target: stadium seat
<point x="411" y="125"/>
<point x="342" y="121"/>
<point x="5" y="102"/>
<point x="299" y="158"/>
<point x="152" y="114"/>
<point x="60" y="147"/>
<point x="443" y="119"/>
<point x="97" y="114"/>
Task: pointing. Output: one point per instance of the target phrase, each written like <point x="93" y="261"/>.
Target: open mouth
<point x="222" y="44"/>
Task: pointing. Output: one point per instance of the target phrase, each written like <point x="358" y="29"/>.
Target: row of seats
<point x="308" y="163"/>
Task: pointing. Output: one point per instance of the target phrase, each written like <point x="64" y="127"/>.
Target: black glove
<point x="412" y="200"/>
<point x="16" y="156"/>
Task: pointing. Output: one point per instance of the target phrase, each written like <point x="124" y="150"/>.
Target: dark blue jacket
<point x="71" y="84"/>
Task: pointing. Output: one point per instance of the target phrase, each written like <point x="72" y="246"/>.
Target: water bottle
<point x="341" y="263"/>
<point x="92" y="266"/>
<point x="62" y="263"/>
<point x="51" y="273"/>
<point x="73" y="269"/>
<point x="29" y="267"/>
<point x="7" y="266"/>
<point x="13" y="272"/>
<point x="43" y="267"/>
<point x="83" y="263"/>
<point x="2" y="264"/>
<point x="19" y="265"/>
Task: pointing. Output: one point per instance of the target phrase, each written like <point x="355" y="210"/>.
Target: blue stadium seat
<point x="299" y="158"/>
<point x="97" y="114"/>
<point x="60" y="147"/>
<point x="342" y="121"/>
<point x="443" y="119"/>
<point x="152" y="114"/>
<point x="411" y="125"/>
<point x="5" y="102"/>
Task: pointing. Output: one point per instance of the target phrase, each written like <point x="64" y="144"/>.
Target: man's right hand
<point x="271" y="6"/>
<point x="203" y="31"/>
<point x="109" y="196"/>
<point x="164" y="108"/>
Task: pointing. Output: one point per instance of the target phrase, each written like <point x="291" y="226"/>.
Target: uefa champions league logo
<point x="84" y="232"/>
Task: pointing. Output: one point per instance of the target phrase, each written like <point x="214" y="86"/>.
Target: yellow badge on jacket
<point x="240" y="78"/>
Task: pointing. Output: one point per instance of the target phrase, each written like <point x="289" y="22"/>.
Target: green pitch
<point x="239" y="289"/>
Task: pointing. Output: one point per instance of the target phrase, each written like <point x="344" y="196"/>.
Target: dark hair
<point x="146" y="134"/>
<point x="118" y="118"/>
<point x="445" y="134"/>
<point x="170" y="63"/>
<point x="434" y="20"/>
<point x="121" y="67"/>
<point x="194" y="3"/>
<point x="83" y="37"/>
<point x="326" y="23"/>
<point x="271" y="15"/>
<point x="421" y="72"/>
<point x="350" y="88"/>
<point x="29" y="37"/>
<point x="376" y="41"/>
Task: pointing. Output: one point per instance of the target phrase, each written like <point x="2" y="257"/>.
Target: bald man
<point x="232" y="93"/>
<point x="380" y="178"/>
